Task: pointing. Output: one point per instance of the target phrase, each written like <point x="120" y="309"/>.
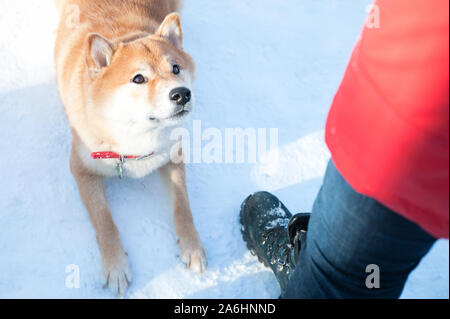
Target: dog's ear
<point x="99" y="52"/>
<point x="170" y="29"/>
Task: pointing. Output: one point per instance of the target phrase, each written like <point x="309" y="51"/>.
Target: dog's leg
<point x="191" y="250"/>
<point x="115" y="268"/>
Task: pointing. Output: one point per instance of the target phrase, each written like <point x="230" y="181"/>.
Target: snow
<point x="264" y="64"/>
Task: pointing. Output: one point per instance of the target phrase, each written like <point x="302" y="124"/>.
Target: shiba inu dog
<point x="125" y="83"/>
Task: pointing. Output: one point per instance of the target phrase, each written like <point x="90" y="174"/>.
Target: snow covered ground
<point x="261" y="64"/>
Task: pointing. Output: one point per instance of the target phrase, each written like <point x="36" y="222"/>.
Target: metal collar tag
<point x="120" y="166"/>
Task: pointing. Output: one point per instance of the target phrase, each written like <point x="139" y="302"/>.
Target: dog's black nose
<point x="180" y="95"/>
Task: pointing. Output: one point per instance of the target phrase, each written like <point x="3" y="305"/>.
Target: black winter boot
<point x="272" y="233"/>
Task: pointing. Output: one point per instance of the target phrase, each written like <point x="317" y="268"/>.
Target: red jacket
<point x="388" y="127"/>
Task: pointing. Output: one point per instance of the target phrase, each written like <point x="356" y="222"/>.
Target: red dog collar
<point x="112" y="155"/>
<point x="108" y="155"/>
<point x="121" y="158"/>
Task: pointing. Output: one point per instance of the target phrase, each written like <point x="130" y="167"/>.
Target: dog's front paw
<point x="116" y="273"/>
<point x="192" y="254"/>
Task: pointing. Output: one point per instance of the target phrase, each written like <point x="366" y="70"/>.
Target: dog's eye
<point x="176" y="69"/>
<point x="139" y="79"/>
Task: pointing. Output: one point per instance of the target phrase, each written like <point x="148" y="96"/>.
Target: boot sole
<point x="246" y="239"/>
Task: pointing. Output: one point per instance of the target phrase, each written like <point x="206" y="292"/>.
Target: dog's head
<point x="141" y="84"/>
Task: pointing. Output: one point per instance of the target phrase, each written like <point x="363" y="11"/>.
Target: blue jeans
<point x="355" y="247"/>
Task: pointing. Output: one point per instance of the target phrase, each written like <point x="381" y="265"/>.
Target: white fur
<point x="126" y="118"/>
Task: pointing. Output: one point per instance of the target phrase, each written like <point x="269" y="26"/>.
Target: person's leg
<point x="348" y="232"/>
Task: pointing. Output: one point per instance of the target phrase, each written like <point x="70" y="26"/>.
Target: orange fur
<point x="100" y="46"/>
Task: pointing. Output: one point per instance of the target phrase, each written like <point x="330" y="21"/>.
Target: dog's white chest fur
<point x="138" y="169"/>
